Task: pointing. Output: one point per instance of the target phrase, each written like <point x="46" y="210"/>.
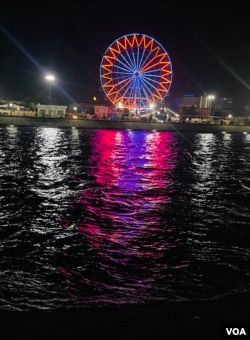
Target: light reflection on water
<point x="103" y="217"/>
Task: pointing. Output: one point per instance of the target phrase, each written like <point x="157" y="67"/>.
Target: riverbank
<point x="121" y="125"/>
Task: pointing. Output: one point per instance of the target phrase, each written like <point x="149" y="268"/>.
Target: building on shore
<point x="16" y="109"/>
<point x="204" y="106"/>
<point x="51" y="111"/>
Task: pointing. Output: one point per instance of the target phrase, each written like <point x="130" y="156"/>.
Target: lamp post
<point x="50" y="78"/>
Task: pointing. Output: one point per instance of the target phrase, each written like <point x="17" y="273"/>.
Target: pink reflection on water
<point x="132" y="158"/>
<point x="132" y="169"/>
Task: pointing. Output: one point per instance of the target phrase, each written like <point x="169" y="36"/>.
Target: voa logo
<point x="236" y="331"/>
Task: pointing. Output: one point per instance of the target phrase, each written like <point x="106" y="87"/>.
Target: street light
<point x="50" y="78"/>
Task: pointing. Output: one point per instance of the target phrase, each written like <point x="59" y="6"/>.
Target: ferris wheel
<point x="136" y="72"/>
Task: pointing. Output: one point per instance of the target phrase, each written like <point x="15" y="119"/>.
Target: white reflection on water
<point x="48" y="140"/>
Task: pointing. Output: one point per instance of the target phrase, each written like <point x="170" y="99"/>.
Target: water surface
<point x="107" y="217"/>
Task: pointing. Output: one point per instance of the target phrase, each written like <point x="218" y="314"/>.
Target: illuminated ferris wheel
<point x="135" y="72"/>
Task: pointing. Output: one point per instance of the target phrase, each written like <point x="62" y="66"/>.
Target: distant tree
<point x="32" y="106"/>
<point x="41" y="98"/>
<point x="27" y="101"/>
<point x="90" y="109"/>
<point x="30" y="103"/>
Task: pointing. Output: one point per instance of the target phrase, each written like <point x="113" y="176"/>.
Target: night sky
<point x="208" y="44"/>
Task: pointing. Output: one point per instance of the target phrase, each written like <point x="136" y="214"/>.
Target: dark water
<point x="102" y="217"/>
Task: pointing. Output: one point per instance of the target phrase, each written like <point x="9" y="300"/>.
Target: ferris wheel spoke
<point x="148" y="89"/>
<point x="138" y="58"/>
<point x="129" y="90"/>
<point x="144" y="95"/>
<point x="151" y="83"/>
<point x="121" y="69"/>
<point x="124" y="63"/>
<point x="125" y="85"/>
<point x="129" y="59"/>
<point x="144" y="62"/>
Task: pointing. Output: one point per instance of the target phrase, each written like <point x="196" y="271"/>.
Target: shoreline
<point x="122" y="125"/>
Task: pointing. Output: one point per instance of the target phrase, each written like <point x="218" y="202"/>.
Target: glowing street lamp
<point x="50" y="79"/>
